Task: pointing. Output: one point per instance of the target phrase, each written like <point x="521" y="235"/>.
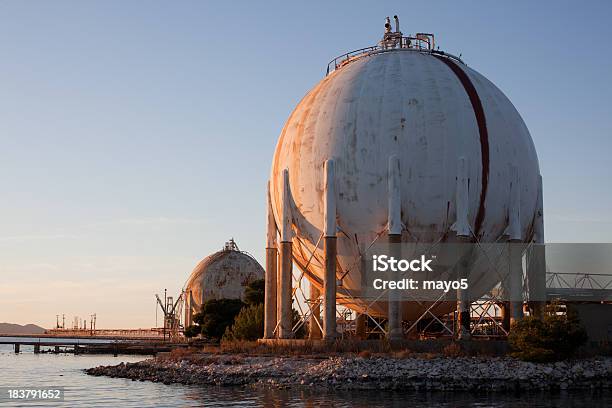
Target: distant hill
<point x="11" y="328"/>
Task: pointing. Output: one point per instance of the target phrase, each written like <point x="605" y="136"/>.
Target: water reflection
<point x="81" y="390"/>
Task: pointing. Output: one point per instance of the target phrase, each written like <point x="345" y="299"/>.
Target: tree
<point x="254" y="293"/>
<point x="248" y="324"/>
<point x="555" y="337"/>
<point x="192" y="331"/>
<point x="301" y="332"/>
<point x="216" y="316"/>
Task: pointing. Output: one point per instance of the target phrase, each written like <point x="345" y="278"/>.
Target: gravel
<point x="440" y="373"/>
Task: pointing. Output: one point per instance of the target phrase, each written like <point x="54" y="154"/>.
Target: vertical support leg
<point x="286" y="301"/>
<point x="329" y="288"/>
<point x="279" y="294"/>
<point x="395" y="331"/>
<point x="188" y="311"/>
<point x="360" y="329"/>
<point x="270" y="302"/>
<point x="505" y="315"/>
<point x="330" y="250"/>
<point x="16" y="348"/>
<point x="516" y="281"/>
<point x="270" y="305"/>
<point x="286" y="265"/>
<point x="462" y="231"/>
<point x="515" y="250"/>
<point x="463" y="301"/>
<point x="536" y="262"/>
<point x="536" y="272"/>
<point x="314" y="329"/>
<point x="464" y="317"/>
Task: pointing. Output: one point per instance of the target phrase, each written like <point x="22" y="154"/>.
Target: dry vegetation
<point x="308" y="349"/>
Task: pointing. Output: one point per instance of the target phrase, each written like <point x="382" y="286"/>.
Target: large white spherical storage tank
<point x="428" y="109"/>
<point x="222" y="275"/>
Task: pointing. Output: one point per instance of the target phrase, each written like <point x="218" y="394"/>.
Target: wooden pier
<point x="91" y="345"/>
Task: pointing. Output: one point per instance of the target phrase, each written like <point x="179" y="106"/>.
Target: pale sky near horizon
<point x="136" y="136"/>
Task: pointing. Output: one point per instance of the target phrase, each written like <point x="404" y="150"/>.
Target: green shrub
<point x="555" y="337"/>
<point x="254" y="293"/>
<point x="192" y="331"/>
<point x="216" y="316"/>
<point x="248" y="324"/>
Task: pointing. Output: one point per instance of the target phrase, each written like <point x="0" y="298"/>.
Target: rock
<point x="347" y="372"/>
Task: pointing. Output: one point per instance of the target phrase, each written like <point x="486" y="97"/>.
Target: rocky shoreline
<point x="350" y="372"/>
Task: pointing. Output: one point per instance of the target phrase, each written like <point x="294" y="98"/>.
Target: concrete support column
<point x="188" y="309"/>
<point x="286" y="265"/>
<point x="360" y="326"/>
<point x="286" y="298"/>
<point x="16" y="348"/>
<point x="270" y="302"/>
<point x="395" y="331"/>
<point x="279" y="296"/>
<point x="515" y="250"/>
<point x="314" y="331"/>
<point x="463" y="312"/>
<point x="505" y="315"/>
<point x="330" y="253"/>
<point x="536" y="262"/>
<point x="516" y="281"/>
<point x="463" y="236"/>
<point x="464" y="317"/>
<point x="329" y="289"/>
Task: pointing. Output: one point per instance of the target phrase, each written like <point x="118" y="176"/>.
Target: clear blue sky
<point x="136" y="136"/>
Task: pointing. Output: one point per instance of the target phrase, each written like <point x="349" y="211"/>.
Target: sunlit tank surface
<point x="222" y="275"/>
<point x="429" y="110"/>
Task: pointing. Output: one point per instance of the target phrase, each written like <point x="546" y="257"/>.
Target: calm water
<point x="28" y="369"/>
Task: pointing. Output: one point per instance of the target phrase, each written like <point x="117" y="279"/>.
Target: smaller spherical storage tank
<point x="222" y="275"/>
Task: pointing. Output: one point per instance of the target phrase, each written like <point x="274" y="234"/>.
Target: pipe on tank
<point x="395" y="238"/>
<point x="270" y="301"/>
<point x="462" y="224"/>
<point x="394" y="201"/>
<point x="330" y="252"/>
<point x="513" y="231"/>
<point x="285" y="329"/>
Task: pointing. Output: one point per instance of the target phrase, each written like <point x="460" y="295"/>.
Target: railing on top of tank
<point x="345" y="58"/>
<point x="418" y="43"/>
